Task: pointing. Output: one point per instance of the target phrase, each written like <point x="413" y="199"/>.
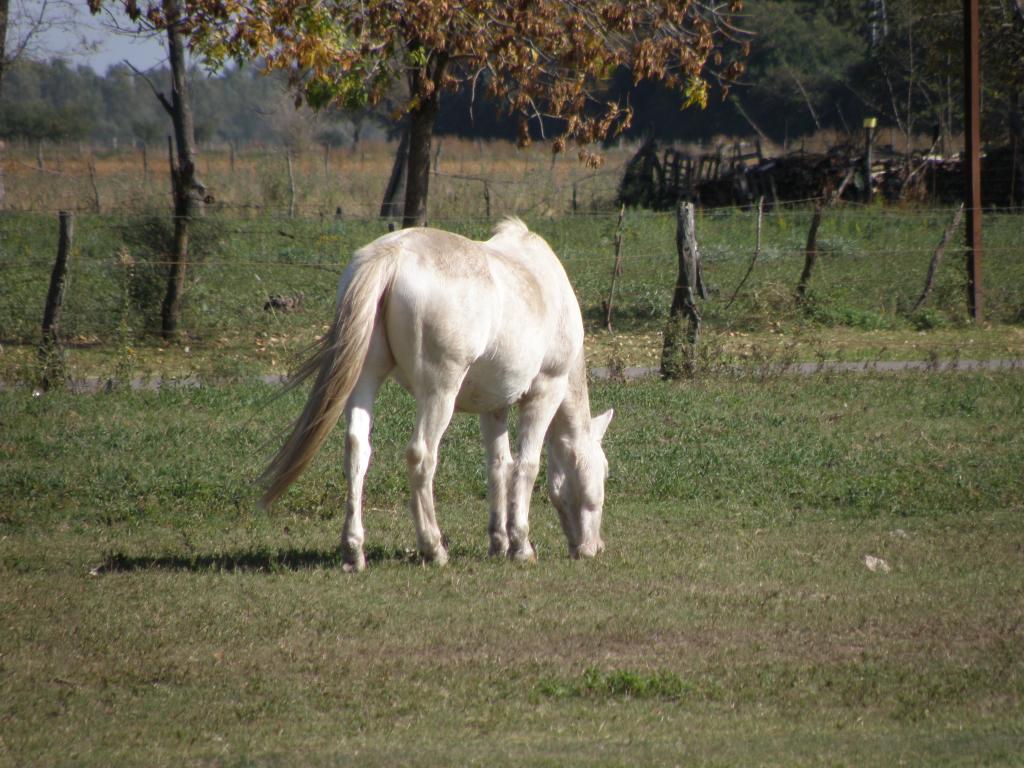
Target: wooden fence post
<point x="810" y="252"/>
<point x="757" y="250"/>
<point x="616" y="271"/>
<point x="676" y="357"/>
<point x="829" y="198"/>
<point x="92" y="181"/>
<point x="933" y="266"/>
<point x="49" y="348"/>
<point x="437" y="155"/>
<point x="291" y="185"/>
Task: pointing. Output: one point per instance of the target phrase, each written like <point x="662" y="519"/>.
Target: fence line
<point x="116" y="282"/>
<point x="313" y="212"/>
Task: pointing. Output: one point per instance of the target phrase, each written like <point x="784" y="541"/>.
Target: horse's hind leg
<point x="433" y="412"/>
<point x="357" y="461"/>
<point x="494" y="430"/>
<point x="358" y="418"/>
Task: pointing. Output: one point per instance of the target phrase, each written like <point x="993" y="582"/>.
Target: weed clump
<point x="823" y="312"/>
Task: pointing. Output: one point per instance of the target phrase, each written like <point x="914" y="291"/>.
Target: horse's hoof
<point x="523" y="554"/>
<point x="352" y="559"/>
<point x="499" y="547"/>
<point x="582" y="553"/>
<point x="587" y="550"/>
<point x="439" y="557"/>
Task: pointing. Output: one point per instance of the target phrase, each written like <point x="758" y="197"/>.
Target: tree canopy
<point x="542" y="60"/>
<point x="903" y="67"/>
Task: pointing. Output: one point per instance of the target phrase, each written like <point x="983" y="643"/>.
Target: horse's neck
<point x="571" y="424"/>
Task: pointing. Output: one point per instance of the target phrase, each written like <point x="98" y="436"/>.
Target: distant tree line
<point x="53" y="100"/>
<point x="814" y="64"/>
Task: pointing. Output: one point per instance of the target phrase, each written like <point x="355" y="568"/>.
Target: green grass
<point x="151" y="615"/>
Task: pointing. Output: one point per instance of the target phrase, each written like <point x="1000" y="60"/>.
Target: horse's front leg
<point x="494" y="431"/>
<point x="535" y="415"/>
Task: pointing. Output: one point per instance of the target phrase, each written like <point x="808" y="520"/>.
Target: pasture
<point x="152" y="615"/>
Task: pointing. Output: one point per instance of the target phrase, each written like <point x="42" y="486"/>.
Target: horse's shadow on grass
<point x="256" y="561"/>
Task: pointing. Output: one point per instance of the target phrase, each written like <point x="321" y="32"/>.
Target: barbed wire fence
<point x="874" y="260"/>
<point x="873" y="268"/>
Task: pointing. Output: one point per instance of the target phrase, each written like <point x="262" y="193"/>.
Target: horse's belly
<point x="487" y="388"/>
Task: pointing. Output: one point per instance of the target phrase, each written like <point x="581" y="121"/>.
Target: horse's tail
<point x="337" y="362"/>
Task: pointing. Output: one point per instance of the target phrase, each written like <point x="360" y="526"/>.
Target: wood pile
<point x="737" y="177"/>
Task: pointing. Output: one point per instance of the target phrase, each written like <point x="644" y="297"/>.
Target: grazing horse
<point x="467" y="325"/>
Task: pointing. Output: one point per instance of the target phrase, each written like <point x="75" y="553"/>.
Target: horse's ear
<point x="599" y="424"/>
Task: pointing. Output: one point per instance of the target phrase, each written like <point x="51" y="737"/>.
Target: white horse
<point x="467" y="325"/>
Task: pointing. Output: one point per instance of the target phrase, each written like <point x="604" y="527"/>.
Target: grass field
<point x="151" y="615"/>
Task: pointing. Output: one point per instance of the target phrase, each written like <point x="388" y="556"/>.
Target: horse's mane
<point x="511" y="225"/>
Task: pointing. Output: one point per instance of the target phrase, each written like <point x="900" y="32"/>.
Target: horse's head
<point x="577" y="469"/>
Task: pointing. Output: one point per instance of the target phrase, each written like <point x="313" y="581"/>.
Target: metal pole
<point x="972" y="161"/>
<point x="869" y="134"/>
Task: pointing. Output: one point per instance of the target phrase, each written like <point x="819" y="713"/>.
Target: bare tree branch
<point x="160" y="97"/>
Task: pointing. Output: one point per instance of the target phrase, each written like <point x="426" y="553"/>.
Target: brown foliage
<point x="542" y="59"/>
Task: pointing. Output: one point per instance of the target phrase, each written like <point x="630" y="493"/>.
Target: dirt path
<point x="94" y="384"/>
<point x="863" y="366"/>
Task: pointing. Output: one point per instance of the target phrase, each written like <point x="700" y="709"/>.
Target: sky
<point x="82" y="38"/>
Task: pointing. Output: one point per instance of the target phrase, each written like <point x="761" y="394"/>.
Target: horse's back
<point x="488" y="317"/>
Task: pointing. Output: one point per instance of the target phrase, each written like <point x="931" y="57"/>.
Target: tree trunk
<point x="417" y="180"/>
<point x="4" y="16"/>
<point x="426" y="90"/>
<point x="171" y="309"/>
<point x="395" y="190"/>
<point x="188" y="191"/>
<point x="4" y="8"/>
